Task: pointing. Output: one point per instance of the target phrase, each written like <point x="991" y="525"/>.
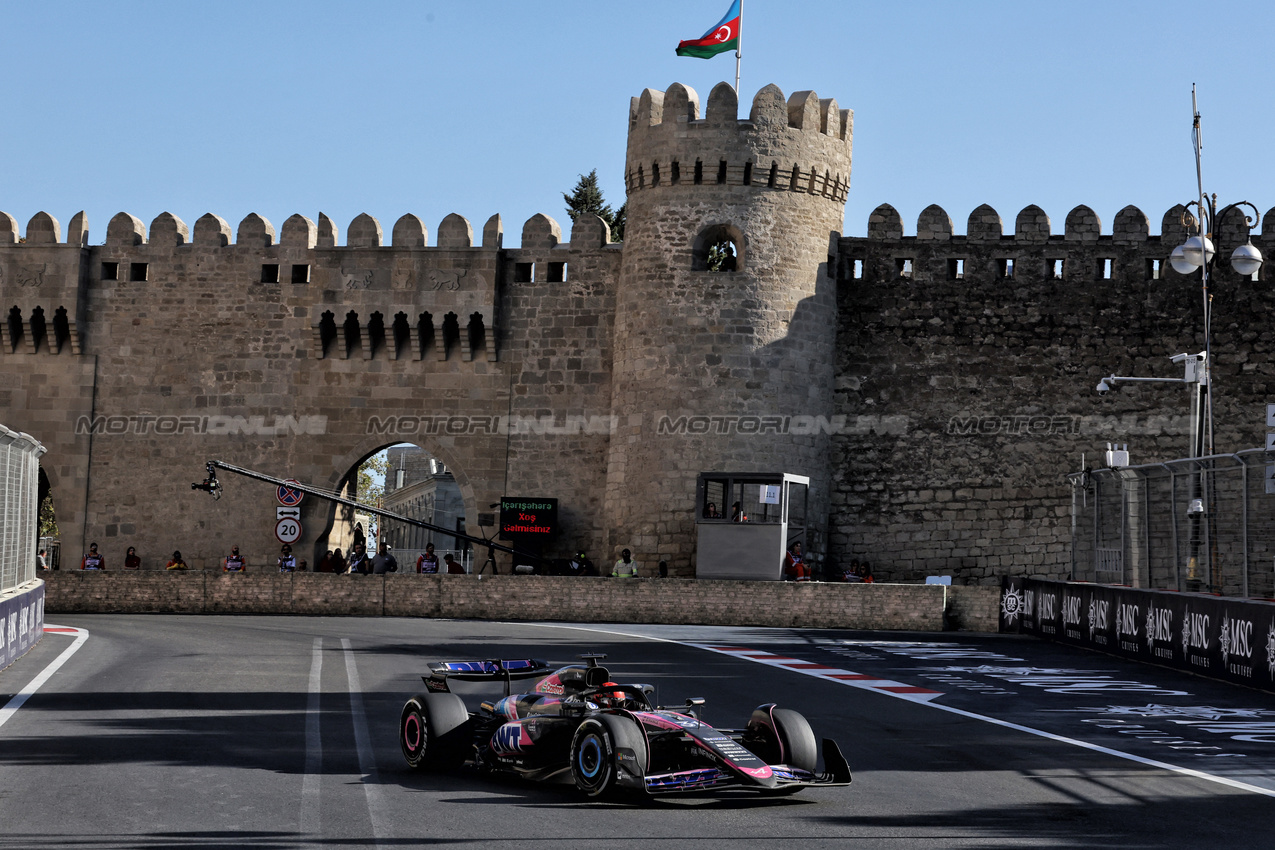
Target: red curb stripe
<point x="907" y="689"/>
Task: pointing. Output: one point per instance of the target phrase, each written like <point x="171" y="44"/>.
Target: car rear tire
<point x="782" y="736"/>
<point x="599" y="745"/>
<point x="432" y="731"/>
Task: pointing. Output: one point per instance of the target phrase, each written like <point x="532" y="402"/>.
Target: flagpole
<point x="739" y="47"/>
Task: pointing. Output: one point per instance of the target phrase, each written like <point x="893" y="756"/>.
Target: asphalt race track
<point x="274" y="732"/>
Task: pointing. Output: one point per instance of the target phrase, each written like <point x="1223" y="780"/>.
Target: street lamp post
<point x="1198" y="253"/>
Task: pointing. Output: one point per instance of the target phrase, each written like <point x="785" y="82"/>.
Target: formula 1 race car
<point x="607" y="737"/>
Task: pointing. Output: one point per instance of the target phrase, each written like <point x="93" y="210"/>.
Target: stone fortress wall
<point x="949" y="379"/>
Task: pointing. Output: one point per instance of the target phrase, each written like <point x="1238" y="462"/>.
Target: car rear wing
<point x="492" y="670"/>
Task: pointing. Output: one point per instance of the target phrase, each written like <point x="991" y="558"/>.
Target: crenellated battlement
<point x="1081" y="254"/>
<point x="363" y="299"/>
<point x="1032" y="226"/>
<point x="799" y="144"/>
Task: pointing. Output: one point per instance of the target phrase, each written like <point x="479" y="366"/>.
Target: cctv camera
<point x="1103" y="387"/>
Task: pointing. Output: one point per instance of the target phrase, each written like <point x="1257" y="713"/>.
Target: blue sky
<point x="497" y="107"/>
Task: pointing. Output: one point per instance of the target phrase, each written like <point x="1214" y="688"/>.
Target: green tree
<point x="587" y="197"/>
<point x="372" y="478"/>
<point x="48" y="522"/>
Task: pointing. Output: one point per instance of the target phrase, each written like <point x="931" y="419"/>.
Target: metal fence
<point x="1196" y="524"/>
<point x="19" y="507"/>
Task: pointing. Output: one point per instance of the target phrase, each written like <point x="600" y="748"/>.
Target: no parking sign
<point x="290" y="496"/>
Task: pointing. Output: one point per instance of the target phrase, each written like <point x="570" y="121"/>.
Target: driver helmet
<point x="610" y="698"/>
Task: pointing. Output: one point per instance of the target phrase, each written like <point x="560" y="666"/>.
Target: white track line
<point x="821" y="673"/>
<point x="11" y="708"/>
<point x="311" y="822"/>
<point x="367" y="760"/>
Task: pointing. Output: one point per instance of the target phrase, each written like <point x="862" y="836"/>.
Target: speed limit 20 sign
<point x="288" y="530"/>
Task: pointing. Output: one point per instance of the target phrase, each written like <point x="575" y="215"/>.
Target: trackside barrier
<point x="21" y="621"/>
<point x="503" y="597"/>
<point x="1222" y="638"/>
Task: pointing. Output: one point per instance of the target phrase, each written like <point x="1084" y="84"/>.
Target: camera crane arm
<point x="212" y="486"/>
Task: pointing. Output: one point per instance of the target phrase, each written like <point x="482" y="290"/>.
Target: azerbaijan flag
<point x="722" y="37"/>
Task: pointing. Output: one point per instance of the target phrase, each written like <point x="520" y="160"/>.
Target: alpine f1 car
<point x="577" y="724"/>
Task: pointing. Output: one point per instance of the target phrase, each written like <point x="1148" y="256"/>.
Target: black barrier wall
<point x="21" y="622"/>
<point x="1228" y="639"/>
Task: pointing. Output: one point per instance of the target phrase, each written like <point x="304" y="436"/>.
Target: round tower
<point x="725" y="319"/>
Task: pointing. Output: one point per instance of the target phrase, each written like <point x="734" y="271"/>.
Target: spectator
<point x="287" y="563"/>
<point x="795" y="566"/>
<point x="663" y="571"/>
<point x="737" y="513"/>
<point x="41" y="563"/>
<point x="384" y="562"/>
<point x="711" y="511"/>
<point x="92" y="560"/>
<point x="625" y="567"/>
<point x="177" y="563"/>
<point x="451" y="567"/>
<point x="336" y="561"/>
<point x="302" y="566"/>
<point x="427" y="561"/>
<point x="580" y="565"/>
<point x="851" y="573"/>
<point x="359" y="538"/>
<point x="131" y="561"/>
<point x="865" y="573"/>
<point x="357" y="562"/>
<point x="234" y="562"/>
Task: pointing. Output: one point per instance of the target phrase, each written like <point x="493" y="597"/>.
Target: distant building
<point x="419" y="485"/>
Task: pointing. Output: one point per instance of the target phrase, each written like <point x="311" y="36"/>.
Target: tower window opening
<point x="955" y="269"/>
<point x="557" y="273"/>
<point x="699" y="171"/>
<point x="655" y="174"/>
<point x="718" y="248"/>
<point x="748" y="174"/>
<point x="301" y="273"/>
<point x="1007" y="268"/>
<point x="676" y="173"/>
<point x="1153" y="269"/>
<point x="110" y="271"/>
<point x="774" y="175"/>
<point x="721" y="171"/>
<point x="1057" y="268"/>
<point x="137" y="271"/>
<point x="857" y="272"/>
<point x="524" y="272"/>
<point x="269" y="272"/>
<point x="903" y="266"/>
<point x="1104" y="269"/>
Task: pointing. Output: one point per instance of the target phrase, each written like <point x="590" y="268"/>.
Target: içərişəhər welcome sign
<point x="528" y="517"/>
<point x="1228" y="639"/>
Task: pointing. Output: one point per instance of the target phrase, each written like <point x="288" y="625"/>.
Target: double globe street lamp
<point x="1198" y="252"/>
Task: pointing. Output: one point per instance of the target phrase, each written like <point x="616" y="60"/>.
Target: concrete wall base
<point x="674" y="601"/>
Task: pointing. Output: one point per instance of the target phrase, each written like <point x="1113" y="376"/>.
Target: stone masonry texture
<point x="950" y="377"/>
<point x="911" y="607"/>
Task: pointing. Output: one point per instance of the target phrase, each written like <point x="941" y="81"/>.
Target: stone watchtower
<point x="728" y="369"/>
